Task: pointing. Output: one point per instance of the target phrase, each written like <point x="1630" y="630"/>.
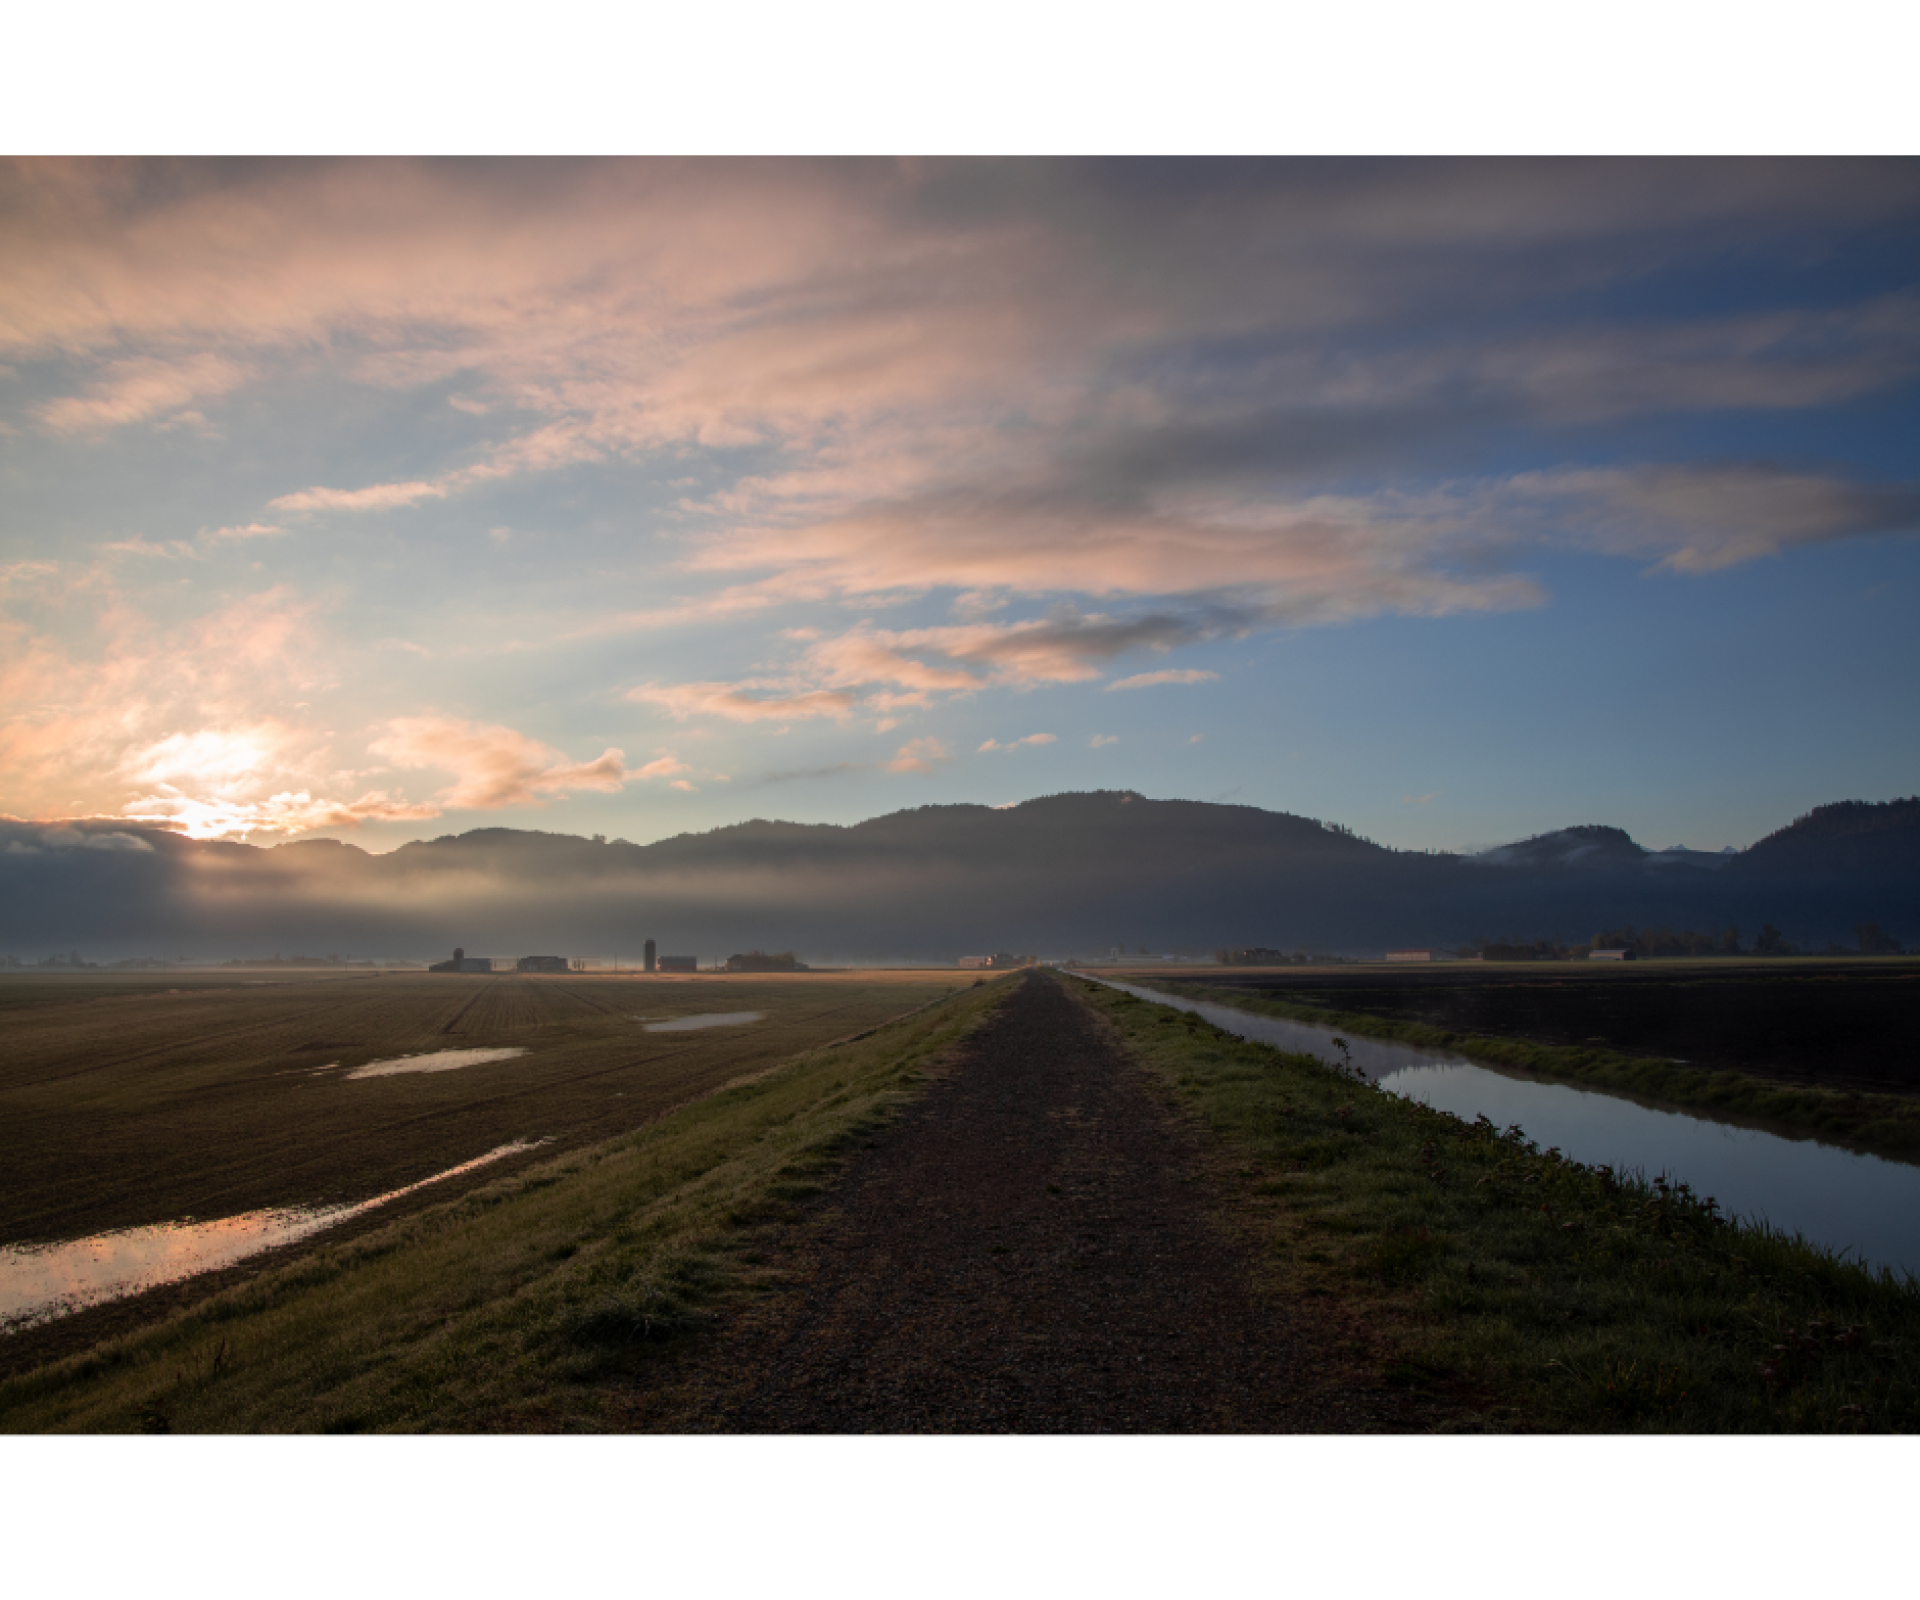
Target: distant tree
<point x="1873" y="942"/>
<point x="1771" y="942"/>
<point x="1730" y="942"/>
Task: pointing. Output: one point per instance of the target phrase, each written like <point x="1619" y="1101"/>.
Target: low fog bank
<point x="1068" y="874"/>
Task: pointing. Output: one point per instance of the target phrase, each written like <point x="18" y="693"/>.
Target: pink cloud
<point x="918" y="755"/>
<point x="1015" y="744"/>
<point x="137" y="388"/>
<point x="246" y="530"/>
<point x="494" y="766"/>
<point x="685" y="700"/>
<point x="378" y="497"/>
<point x="1144" y="680"/>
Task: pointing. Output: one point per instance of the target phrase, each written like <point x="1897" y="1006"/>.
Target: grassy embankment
<point x="1884" y="1124"/>
<point x="517" y="1305"/>
<point x="1536" y="1292"/>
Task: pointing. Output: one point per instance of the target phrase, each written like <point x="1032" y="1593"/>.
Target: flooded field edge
<point x="41" y="1282"/>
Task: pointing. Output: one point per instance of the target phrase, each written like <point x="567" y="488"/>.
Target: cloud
<point x="863" y="657"/>
<point x="494" y="766"/>
<point x="1015" y="744"/>
<point x="117" y="697"/>
<point x="663" y="767"/>
<point x="68" y="838"/>
<point x="1217" y="561"/>
<point x="1145" y="680"/>
<point x="918" y="755"/>
<point x="685" y="700"/>
<point x="1418" y="799"/>
<point x="281" y="813"/>
<point x="141" y="387"/>
<point x="830" y="770"/>
<point x="210" y="759"/>
<point x="168" y="550"/>
<point x="1706" y="518"/>
<point x="247" y="530"/>
<point x="1100" y="740"/>
<point x="874" y="319"/>
<point x="378" y="497"/>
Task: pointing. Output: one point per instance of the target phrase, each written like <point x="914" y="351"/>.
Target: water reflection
<point x="39" y="1282"/>
<point x="435" y="1061"/>
<point x="1858" y="1204"/>
<point x="706" y="1019"/>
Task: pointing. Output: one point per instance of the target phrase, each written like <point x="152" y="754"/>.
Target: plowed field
<point x="139" y="1106"/>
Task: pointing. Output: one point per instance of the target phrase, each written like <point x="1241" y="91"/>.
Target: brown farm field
<point x="130" y="1103"/>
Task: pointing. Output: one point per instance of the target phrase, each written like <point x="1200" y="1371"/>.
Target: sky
<point x="1453" y="501"/>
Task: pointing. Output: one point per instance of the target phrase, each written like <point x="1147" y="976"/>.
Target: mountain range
<point x="1062" y="874"/>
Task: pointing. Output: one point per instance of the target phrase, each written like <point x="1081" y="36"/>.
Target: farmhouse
<point x="679" y="963"/>
<point x="462" y="962"/>
<point x="541" y="964"/>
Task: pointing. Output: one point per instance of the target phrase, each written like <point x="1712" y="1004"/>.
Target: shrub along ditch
<point x="1554" y="1294"/>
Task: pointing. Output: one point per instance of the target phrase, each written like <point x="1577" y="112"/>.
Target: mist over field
<point x="1065" y="874"/>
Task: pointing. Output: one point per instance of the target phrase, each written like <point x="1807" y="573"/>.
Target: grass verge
<point x="1887" y="1125"/>
<point x="515" y="1306"/>
<point x="1557" y="1296"/>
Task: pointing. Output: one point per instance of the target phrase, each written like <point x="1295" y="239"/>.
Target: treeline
<point x="1648" y="943"/>
<point x="1261" y="956"/>
<point x="766" y="961"/>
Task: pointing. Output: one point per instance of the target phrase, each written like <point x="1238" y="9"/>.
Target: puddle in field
<point x="1858" y="1204"/>
<point x="39" y="1282"/>
<point x="706" y="1019"/>
<point x="433" y="1061"/>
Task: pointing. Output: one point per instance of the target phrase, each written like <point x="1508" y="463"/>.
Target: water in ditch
<point x="1862" y="1205"/>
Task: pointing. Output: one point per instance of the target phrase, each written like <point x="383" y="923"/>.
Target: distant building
<point x="976" y="961"/>
<point x="1611" y="955"/>
<point x="541" y="964"/>
<point x="1409" y="955"/>
<point x="679" y="964"/>
<point x="651" y="957"/>
<point x="760" y="961"/>
<point x="462" y="962"/>
<point x="1002" y="959"/>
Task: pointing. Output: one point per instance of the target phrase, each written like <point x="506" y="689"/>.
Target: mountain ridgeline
<point x="1068" y="873"/>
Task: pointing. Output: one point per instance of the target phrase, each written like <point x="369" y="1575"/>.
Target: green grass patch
<point x="524" y="1304"/>
<point x="1887" y="1125"/>
<point x="1553" y="1294"/>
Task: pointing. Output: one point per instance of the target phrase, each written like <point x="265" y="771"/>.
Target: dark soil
<point x="1035" y="1247"/>
<point x="1846" y="1027"/>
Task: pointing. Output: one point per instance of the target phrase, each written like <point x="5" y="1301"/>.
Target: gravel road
<point x="1027" y="1250"/>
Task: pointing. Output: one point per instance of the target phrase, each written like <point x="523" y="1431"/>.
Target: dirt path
<point x="1027" y="1250"/>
